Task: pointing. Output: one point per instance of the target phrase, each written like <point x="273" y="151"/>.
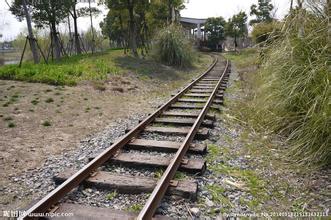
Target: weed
<point x="34" y="102"/>
<point x="112" y="195"/>
<point x="49" y="100"/>
<point x="46" y="123"/>
<point x="180" y="175"/>
<point x="158" y="173"/>
<point x="217" y="195"/>
<point x="11" y="125"/>
<point x="8" y="118"/>
<point x="135" y="208"/>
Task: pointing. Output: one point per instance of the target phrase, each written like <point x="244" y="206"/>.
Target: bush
<point x="173" y="48"/>
<point x="265" y="32"/>
<point x="295" y="88"/>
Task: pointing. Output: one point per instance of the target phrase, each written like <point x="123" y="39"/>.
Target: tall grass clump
<point x="296" y="85"/>
<point x="173" y="48"/>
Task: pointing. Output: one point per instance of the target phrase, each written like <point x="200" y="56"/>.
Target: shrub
<point x="266" y="32"/>
<point x="295" y="89"/>
<point x="173" y="48"/>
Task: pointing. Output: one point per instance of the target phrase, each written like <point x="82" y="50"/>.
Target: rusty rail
<point x="46" y="203"/>
<point x="162" y="185"/>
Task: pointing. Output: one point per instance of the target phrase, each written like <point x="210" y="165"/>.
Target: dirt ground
<point x="38" y="120"/>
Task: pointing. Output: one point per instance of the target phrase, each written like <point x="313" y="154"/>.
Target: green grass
<point x="217" y="193"/>
<point x="244" y="58"/>
<point x="11" y="125"/>
<point x="46" y="123"/>
<point x="112" y="195"/>
<point x="135" y="208"/>
<point x="251" y="181"/>
<point x="34" y="102"/>
<point x="49" y="100"/>
<point x="180" y="175"/>
<point x="158" y="173"/>
<point x="290" y="94"/>
<point x="96" y="68"/>
<point x="68" y="71"/>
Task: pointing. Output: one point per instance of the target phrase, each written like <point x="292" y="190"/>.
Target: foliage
<point x="45" y="13"/>
<point x="131" y="24"/>
<point x="236" y="26"/>
<point x="173" y="48"/>
<point x="266" y="32"/>
<point x="135" y="208"/>
<point x="294" y="94"/>
<point x="214" y="27"/>
<point x="262" y="11"/>
<point x="112" y="195"/>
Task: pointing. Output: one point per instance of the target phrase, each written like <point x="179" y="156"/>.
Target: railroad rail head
<point x="155" y="198"/>
<point x="47" y="202"/>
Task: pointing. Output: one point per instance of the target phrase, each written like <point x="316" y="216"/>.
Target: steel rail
<point x="162" y="185"/>
<point x="43" y="205"/>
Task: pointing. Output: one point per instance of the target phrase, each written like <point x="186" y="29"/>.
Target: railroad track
<point x="185" y="115"/>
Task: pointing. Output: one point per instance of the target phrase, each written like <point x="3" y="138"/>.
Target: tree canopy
<point x="262" y="12"/>
<point x="132" y="24"/>
<point x="215" y="30"/>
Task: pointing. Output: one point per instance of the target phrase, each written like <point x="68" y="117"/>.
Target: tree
<point x="215" y="30"/>
<point x="174" y="6"/>
<point x="44" y="13"/>
<point x="236" y="27"/>
<point x="262" y="12"/>
<point x="130" y="7"/>
<point x="51" y="13"/>
<point x="75" y="14"/>
<point x="133" y="23"/>
<point x="20" y="10"/>
<point x="115" y="28"/>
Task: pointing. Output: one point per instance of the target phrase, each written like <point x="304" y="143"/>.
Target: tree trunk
<point x="77" y="43"/>
<point x="93" y="41"/>
<point x="32" y="41"/>
<point x="291" y="5"/>
<point x="328" y="13"/>
<point x="133" y="34"/>
<point x="56" y="41"/>
<point x="169" y="11"/>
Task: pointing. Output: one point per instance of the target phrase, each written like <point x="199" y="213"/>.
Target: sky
<point x="10" y="27"/>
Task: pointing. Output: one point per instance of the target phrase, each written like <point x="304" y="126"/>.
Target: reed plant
<point x="173" y="48"/>
<point x="294" y="92"/>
